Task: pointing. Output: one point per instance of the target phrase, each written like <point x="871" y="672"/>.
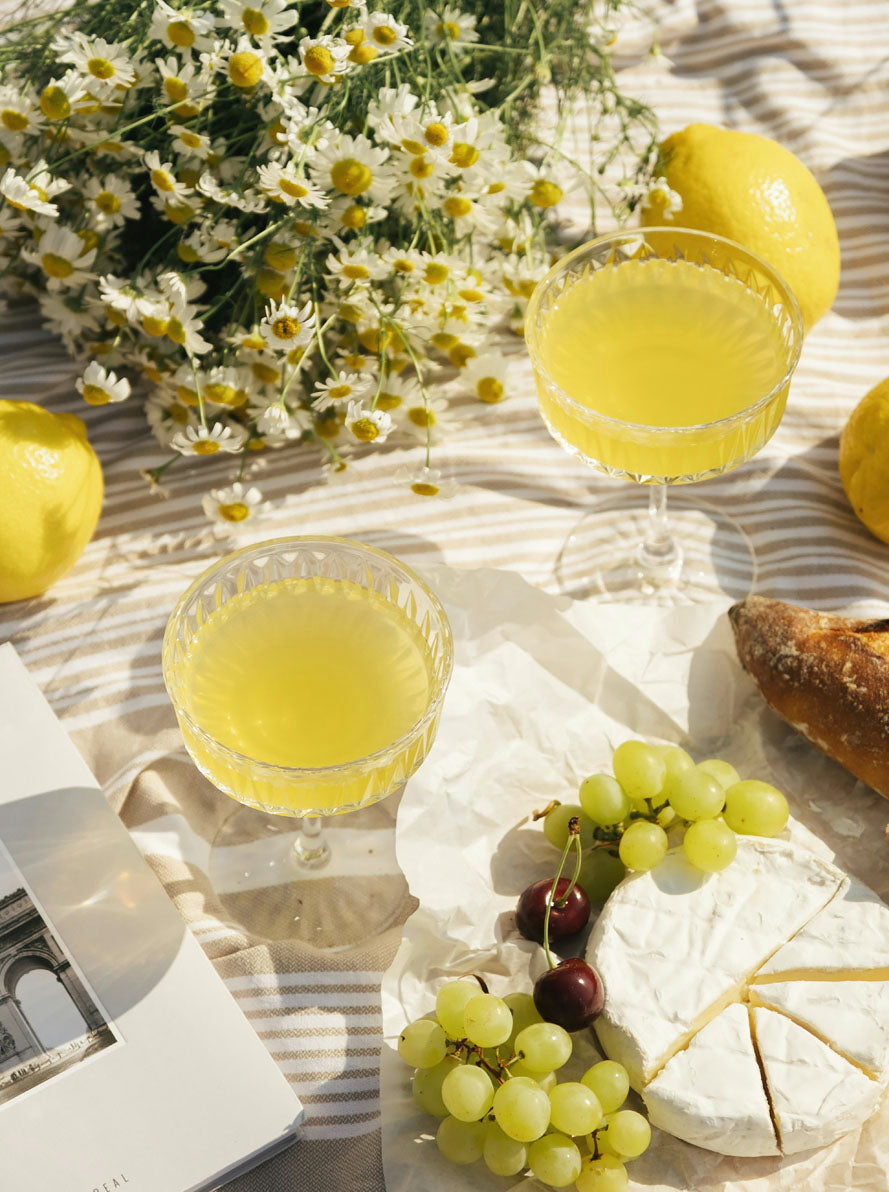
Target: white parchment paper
<point x="543" y="691"/>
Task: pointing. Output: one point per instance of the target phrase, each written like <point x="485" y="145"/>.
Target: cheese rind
<point x="711" y="1094"/>
<point x="675" y="946"/>
<point x="816" y="1095"/>
<point x="851" y="932"/>
<point x="852" y="1017"/>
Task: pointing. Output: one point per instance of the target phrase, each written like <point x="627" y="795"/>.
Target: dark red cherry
<point x="571" y="994"/>
<point x="563" y="920"/>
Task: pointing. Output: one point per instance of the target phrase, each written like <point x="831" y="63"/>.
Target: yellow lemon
<point x="50" y="496"/>
<point x="864" y="460"/>
<point x="755" y="192"/>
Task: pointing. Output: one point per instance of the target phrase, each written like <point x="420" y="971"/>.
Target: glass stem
<point x="659" y="555"/>
<point x="310" y="849"/>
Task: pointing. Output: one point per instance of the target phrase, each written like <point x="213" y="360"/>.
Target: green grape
<point x="460" y="1142"/>
<point x="467" y="1093"/>
<point x="597" y="1143"/>
<point x="524" y="1012"/>
<point x="605" y="1174"/>
<point x="546" y="1080"/>
<point x="676" y="762"/>
<point x="666" y="816"/>
<point x="710" y="845"/>
<point x="520" y="1068"/>
<point x="575" y="1108"/>
<point x="639" y="768"/>
<point x="555" y="825"/>
<point x="422" y="1044"/>
<point x="602" y="798"/>
<point x="450" y="1003"/>
<point x="521" y="1109"/>
<point x="502" y="1154"/>
<point x="555" y="1160"/>
<point x="487" y="1021"/>
<point x="696" y="795"/>
<point x="724" y="772"/>
<point x="643" y="845"/>
<point x="600" y="872"/>
<point x="755" y="809"/>
<point x="610" y="1082"/>
<point x="544" y="1046"/>
<point x="629" y="1133"/>
<point x="426" y="1086"/>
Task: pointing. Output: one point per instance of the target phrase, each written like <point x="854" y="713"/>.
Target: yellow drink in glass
<point x="304" y="673"/>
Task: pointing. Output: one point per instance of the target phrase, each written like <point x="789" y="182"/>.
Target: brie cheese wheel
<point x="850" y="935"/>
<point x="712" y="1093"/>
<point x="751" y="1006"/>
<point x="816" y="1095"/>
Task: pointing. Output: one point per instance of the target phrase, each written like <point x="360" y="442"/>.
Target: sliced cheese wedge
<point x="816" y="1095"/>
<point x="852" y="1017"/>
<point x="711" y="1094"/>
<point x="849" y="939"/>
<point x="674" y="946"/>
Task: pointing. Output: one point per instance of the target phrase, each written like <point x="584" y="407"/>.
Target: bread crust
<point x="827" y="675"/>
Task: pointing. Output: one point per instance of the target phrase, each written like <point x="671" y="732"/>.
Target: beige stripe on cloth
<point x="815" y="76"/>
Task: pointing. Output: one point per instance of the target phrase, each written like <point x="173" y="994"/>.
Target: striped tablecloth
<point x="812" y="74"/>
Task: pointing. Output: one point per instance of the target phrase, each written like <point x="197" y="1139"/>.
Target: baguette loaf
<point x="827" y="675"/>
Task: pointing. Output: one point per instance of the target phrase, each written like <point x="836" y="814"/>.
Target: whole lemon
<point x="755" y="192"/>
<point x="864" y="460"/>
<point x="50" y="495"/>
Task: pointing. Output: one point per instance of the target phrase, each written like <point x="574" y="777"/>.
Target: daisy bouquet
<point x="283" y="222"/>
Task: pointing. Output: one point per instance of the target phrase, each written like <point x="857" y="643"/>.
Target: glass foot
<point x="332" y="891"/>
<point x="602" y="557"/>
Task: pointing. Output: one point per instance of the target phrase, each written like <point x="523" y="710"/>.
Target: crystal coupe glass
<point x="661" y="356"/>
<point x="307" y="675"/>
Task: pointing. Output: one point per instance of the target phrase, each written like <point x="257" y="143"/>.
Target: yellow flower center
<point x="545" y="194"/>
<point x="222" y="394"/>
<point x="175" y="331"/>
<point x="459" y="355"/>
<point x="236" y="512"/>
<point x="436" y="134"/>
<point x="372" y="339"/>
<point x="286" y="327"/>
<point x="188" y="397"/>
<point x="162" y="180"/>
<point x="388" y="401"/>
<point x="489" y="389"/>
<point x="353" y="37"/>
<point x="351" y="177"/>
<point x="464" y="155"/>
<point x="448" y="29"/>
<point x="365" y="430"/>
<point x="100" y="68"/>
<point x="54" y="103"/>
<point x="350" y="312"/>
<point x="456" y="206"/>
<point x="153" y="326"/>
<point x="257" y="444"/>
<point x="384" y="35"/>
<point x="318" y="60"/>
<point x="435" y="273"/>
<point x="178" y="213"/>
<point x="178" y="414"/>
<point x="5" y="158"/>
<point x="339" y="392"/>
<point x="362" y="54"/>
<point x="444" y="341"/>
<point x="205" y="447"/>
<point x="356" y="272"/>
<point x="403" y="265"/>
<point x="13" y="120"/>
<point x="255" y="22"/>
<point x="56" y="266"/>
<point x="180" y="33"/>
<point x="277" y="132"/>
<point x="420" y="416"/>
<point x="95" y="395"/>
<point x="415" y="147"/>
<point x="339" y="3"/>
<point x="191" y="139"/>
<point x="294" y="189"/>
<point x="108" y="202"/>
<point x="280" y="256"/>
<point x="245" y="70"/>
<point x="176" y="90"/>
<point x="253" y="341"/>
<point x="421" y="167"/>
<point x="265" y="373"/>
<point x="423" y="489"/>
<point x="471" y="295"/>
<point x="354" y="217"/>
<point x="116" y="317"/>
<point x="271" y="284"/>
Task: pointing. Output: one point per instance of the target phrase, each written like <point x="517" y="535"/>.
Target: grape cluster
<point x="625" y="817"/>
<point x="486" y="1066"/>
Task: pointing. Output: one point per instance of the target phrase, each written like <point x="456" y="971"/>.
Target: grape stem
<point x="551" y="806"/>
<point x="573" y="841"/>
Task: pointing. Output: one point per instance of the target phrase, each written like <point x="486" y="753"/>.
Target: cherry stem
<point x="575" y="876"/>
<point x="573" y="841"/>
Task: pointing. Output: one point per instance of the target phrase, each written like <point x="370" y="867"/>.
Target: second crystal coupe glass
<point x="662" y="356"/>
<point x="307" y="675"/>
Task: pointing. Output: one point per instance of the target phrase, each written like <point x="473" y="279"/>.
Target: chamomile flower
<point x="285" y="184"/>
<point x="67" y="314"/>
<point x="287" y="325"/>
<point x="163" y="178"/>
<point x="181" y="29"/>
<point x="662" y="199"/>
<point x="18" y="113"/>
<point x="104" y="65"/>
<point x="204" y="440"/>
<point x="451" y="25"/>
<point x="110" y="201"/>
<point x="190" y="143"/>
<point x="344" y="387"/>
<point x="60" y="97"/>
<point x="353" y="166"/>
<point x="398" y="391"/>
<point x="426" y="482"/>
<point x="427" y="420"/>
<point x="356" y="265"/>
<point x="485" y="378"/>
<point x="265" y="21"/>
<point x="233" y="505"/>
<point x="385" y="34"/>
<point x="244" y="67"/>
<point x="184" y="83"/>
<point x="367" y="425"/>
<point x="63" y="257"/>
<point x="324" y="58"/>
<point x="33" y="192"/>
<point x="98" y="386"/>
<point x="277" y="421"/>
